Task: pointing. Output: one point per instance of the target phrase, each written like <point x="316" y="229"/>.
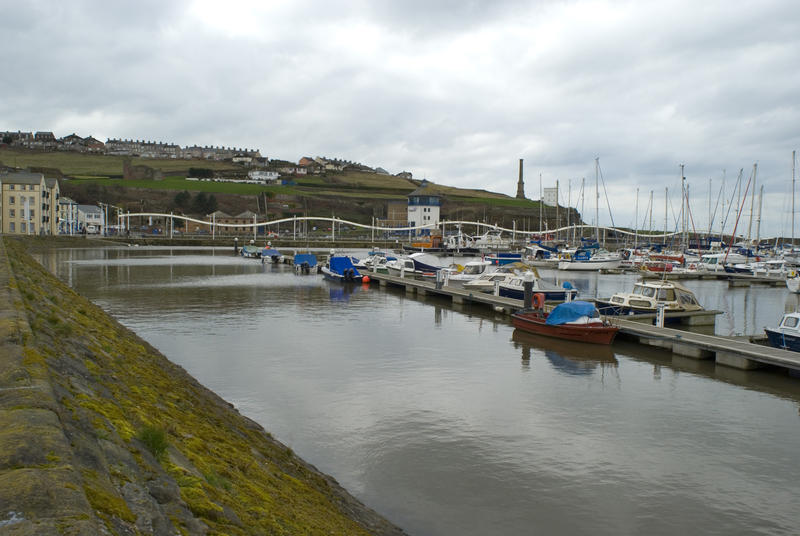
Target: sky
<point x="455" y="91"/>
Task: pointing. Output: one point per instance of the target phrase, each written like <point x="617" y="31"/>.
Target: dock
<point x="729" y="351"/>
<point x="733" y="279"/>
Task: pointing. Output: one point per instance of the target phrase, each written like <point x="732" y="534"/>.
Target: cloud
<point x="453" y="91"/>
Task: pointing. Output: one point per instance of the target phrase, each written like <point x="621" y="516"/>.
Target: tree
<point x="201" y="173"/>
<point x="199" y="203"/>
<point x="182" y="199"/>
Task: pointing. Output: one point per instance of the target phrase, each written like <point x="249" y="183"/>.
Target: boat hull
<point x="786" y="341"/>
<point x="549" y="295"/>
<point x="534" y="322"/>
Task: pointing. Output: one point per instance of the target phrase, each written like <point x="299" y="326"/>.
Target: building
<point x="67" y="219"/>
<point x="27" y="203"/>
<point x="90" y="219"/>
<point x="423" y="207"/>
<point x="550" y="196"/>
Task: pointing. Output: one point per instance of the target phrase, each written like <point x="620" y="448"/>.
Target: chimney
<point x="520" y="184"/>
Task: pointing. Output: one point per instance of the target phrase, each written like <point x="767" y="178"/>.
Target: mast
<point x="541" y="200"/>
<point x="569" y="203"/>
<point x="683" y="212"/>
<point x="597" y="199"/>
<point x="758" y="220"/>
<point x="793" y="160"/>
<point x="636" y="221"/>
<point x="651" y="213"/>
<point x="752" y="200"/>
<point x="710" y="223"/>
<point x="666" y="213"/>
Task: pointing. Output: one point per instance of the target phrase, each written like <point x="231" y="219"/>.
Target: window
<point x="11" y="227"/>
<point x="790" y="322"/>
<point x="32" y="214"/>
<point x="22" y="227"/>
<point x="10" y="186"/>
<point x="11" y="213"/>
<point x="11" y="200"/>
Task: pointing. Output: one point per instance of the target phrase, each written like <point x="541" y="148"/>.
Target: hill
<point x="356" y="196"/>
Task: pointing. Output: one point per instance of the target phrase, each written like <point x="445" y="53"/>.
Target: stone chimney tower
<point x="520" y="184"/>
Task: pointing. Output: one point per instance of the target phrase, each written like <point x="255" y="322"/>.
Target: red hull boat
<point x="595" y="332"/>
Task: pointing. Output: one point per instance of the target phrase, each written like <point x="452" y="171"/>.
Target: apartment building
<point x="28" y="204"/>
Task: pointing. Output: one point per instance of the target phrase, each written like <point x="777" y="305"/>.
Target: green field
<point x="94" y="165"/>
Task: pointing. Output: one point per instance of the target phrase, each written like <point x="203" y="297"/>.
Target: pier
<point x="728" y="351"/>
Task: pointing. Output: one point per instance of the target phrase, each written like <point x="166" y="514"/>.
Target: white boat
<point x="647" y="296"/>
<point x="515" y="288"/>
<point x="793" y="282"/>
<point x="471" y="271"/>
<point x="715" y="262"/>
<point x="584" y="259"/>
<point x="787" y="334"/>
<point x="491" y="240"/>
<point x="486" y="282"/>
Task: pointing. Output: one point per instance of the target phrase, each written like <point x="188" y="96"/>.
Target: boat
<point x="585" y="259"/>
<point x="251" y="251"/>
<point x="787" y="334"/>
<point x="341" y="270"/>
<point x="575" y="321"/>
<point x="647" y="295"/>
<point x="471" y="271"/>
<point x="271" y="253"/>
<point x="515" y="288"/>
<point x="305" y="263"/>
<point x="503" y="258"/>
<point x="376" y="262"/>
<point x="793" y="282"/>
<point x="491" y="240"/>
<point x="487" y="281"/>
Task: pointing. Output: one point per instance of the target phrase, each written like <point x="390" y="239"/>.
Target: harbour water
<point x="448" y="422"/>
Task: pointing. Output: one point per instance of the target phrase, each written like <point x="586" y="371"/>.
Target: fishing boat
<point x="647" y="295"/>
<point x="487" y="281"/>
<point x="787" y="334"/>
<point x="587" y="260"/>
<point x="575" y="321"/>
<point x="341" y="270"/>
<point x="515" y="288"/>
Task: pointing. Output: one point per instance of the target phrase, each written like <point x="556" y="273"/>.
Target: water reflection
<point x="567" y="357"/>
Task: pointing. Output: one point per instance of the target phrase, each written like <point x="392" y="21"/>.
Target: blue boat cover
<point x="308" y="258"/>
<point x="570" y="311"/>
<point x="340" y="264"/>
<point x="270" y="252"/>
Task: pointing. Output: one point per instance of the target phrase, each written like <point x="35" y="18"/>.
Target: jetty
<point x="729" y="351"/>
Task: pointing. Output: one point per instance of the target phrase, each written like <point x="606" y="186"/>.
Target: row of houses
<point x="31" y="204"/>
<point x="47" y="141"/>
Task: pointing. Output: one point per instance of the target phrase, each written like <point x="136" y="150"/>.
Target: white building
<point x="90" y="219"/>
<point x="550" y="196"/>
<point x="68" y="221"/>
<point x="263" y="176"/>
<point x="423" y="207"/>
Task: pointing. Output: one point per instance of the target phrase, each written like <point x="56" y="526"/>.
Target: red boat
<point x="575" y="321"/>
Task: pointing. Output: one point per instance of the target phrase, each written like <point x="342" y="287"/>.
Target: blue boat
<point x="500" y="259"/>
<point x="305" y="263"/>
<point x="787" y="334"/>
<point x="515" y="288"/>
<point x="341" y="270"/>
<point x="271" y="253"/>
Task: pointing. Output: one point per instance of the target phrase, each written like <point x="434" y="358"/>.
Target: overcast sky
<point x="456" y="91"/>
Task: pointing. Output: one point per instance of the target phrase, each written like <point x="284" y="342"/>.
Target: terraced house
<point x="29" y="204"/>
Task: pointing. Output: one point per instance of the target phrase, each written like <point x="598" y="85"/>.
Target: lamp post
<point x="527" y="285"/>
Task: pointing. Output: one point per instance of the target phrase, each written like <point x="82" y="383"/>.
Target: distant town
<point x="47" y="141"/>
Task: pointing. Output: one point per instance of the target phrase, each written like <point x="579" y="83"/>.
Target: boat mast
<point x="597" y="199"/>
<point x="758" y="220"/>
<point x="541" y="200"/>
<point x="651" y="216"/>
<point x="710" y="223"/>
<point x="793" y="160"/>
<point x="666" y="213"/>
<point x="752" y="200"/>
<point x="636" y="221"/>
<point x="683" y="205"/>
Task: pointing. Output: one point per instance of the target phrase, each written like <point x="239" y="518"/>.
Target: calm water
<point x="449" y="423"/>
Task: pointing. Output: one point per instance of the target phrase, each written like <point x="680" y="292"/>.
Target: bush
<point x="155" y="439"/>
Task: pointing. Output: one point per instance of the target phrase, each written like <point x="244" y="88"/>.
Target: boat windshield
<point x="790" y="322"/>
<point x="644" y="291"/>
<point x="686" y="298"/>
<point x="666" y="294"/>
<point x="473" y="270"/>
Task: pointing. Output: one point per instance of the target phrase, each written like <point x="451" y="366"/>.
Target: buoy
<point x="538" y="300"/>
<point x="365" y="279"/>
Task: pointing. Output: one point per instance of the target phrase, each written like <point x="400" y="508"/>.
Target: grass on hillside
<point x="95" y="165"/>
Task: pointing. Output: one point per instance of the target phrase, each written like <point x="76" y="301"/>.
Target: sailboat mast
<point x="758" y="220"/>
<point x="651" y="214"/>
<point x="683" y="205"/>
<point x="541" y="200"/>
<point x="793" y="160"/>
<point x="752" y="200"/>
<point x="597" y="199"/>
<point x="666" y="213"/>
<point x="636" y="221"/>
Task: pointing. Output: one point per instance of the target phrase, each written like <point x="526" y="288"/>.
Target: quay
<point x="733" y="279"/>
<point x="728" y="351"/>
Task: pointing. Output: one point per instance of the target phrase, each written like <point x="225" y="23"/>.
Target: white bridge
<point x="298" y="223"/>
